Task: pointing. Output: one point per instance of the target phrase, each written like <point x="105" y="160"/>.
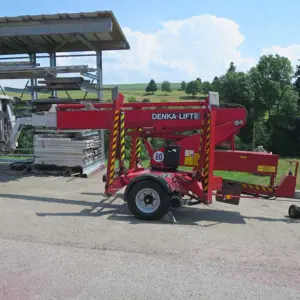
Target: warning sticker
<point x="188" y="160"/>
<point x="266" y="169"/>
<point x="191" y="158"/>
<point x="189" y="153"/>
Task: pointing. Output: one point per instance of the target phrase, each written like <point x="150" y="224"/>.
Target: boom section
<point x="172" y="116"/>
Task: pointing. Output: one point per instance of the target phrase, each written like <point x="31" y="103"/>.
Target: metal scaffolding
<point x="54" y="36"/>
<point x="58" y="33"/>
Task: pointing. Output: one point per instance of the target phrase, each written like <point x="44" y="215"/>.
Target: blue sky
<point x="262" y="23"/>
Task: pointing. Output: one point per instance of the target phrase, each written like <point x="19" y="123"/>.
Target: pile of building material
<point x="82" y="151"/>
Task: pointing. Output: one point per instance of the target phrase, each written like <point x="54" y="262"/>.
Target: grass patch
<point x="15" y="157"/>
<point x="283" y="169"/>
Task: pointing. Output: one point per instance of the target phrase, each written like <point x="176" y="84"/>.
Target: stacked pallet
<point x="81" y="150"/>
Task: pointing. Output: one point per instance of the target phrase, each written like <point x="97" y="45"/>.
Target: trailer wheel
<point x="294" y="211"/>
<point x="147" y="200"/>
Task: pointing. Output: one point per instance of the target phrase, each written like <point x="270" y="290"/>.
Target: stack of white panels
<point x="66" y="151"/>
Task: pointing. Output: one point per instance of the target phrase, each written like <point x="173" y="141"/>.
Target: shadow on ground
<point x="107" y="206"/>
<point x="197" y="216"/>
<point x="7" y="175"/>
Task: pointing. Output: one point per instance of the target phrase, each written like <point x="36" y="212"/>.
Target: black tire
<point x="294" y="211"/>
<point x="164" y="200"/>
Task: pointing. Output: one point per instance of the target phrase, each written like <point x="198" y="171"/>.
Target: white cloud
<point x="181" y="50"/>
<point x="292" y="52"/>
<point x="200" y="46"/>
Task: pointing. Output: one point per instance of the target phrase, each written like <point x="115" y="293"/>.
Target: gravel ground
<point x="61" y="238"/>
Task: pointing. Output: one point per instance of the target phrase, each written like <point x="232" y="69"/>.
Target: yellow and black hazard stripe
<point x="258" y="188"/>
<point x="201" y="139"/>
<point x="207" y="152"/>
<point x="138" y="146"/>
<point x="122" y="138"/>
<point x="114" y="148"/>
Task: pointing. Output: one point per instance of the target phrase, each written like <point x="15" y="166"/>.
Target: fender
<point x="150" y="176"/>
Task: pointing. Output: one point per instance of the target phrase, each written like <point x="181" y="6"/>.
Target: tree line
<point x="270" y="91"/>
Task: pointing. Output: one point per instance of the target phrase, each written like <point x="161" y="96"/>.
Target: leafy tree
<point x="297" y="85"/>
<point x="151" y="87"/>
<point x="205" y="87"/>
<point x="26" y="140"/>
<point x="261" y="133"/>
<point x="166" y="87"/>
<point x="192" y="88"/>
<point x="235" y="88"/>
<point x="275" y="74"/>
<point x="275" y="101"/>
<point x="199" y="84"/>
<point x="232" y="67"/>
<point x="284" y="129"/>
<point x="183" y="86"/>
<point x="215" y="85"/>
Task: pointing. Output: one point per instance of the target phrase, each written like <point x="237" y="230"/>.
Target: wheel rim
<point x="147" y="200"/>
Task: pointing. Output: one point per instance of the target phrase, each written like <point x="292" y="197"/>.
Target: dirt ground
<point x="61" y="238"/>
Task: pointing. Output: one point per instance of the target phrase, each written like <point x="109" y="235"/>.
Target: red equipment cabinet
<point x="150" y="191"/>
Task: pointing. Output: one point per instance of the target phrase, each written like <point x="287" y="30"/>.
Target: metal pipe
<point x="80" y="106"/>
<point x="33" y="81"/>
<point x="11" y="116"/>
<point x="2" y="116"/>
<point x="52" y="58"/>
<point x="63" y="101"/>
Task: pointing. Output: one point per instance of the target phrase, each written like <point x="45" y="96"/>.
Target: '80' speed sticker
<point x="158" y="156"/>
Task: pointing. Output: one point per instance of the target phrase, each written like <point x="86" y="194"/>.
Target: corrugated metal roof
<point x="58" y="16"/>
<point x="62" y="32"/>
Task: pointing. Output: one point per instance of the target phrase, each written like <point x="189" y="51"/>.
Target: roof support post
<point x="52" y="58"/>
<point x="33" y="81"/>
<point x="100" y="95"/>
<point x="99" y="73"/>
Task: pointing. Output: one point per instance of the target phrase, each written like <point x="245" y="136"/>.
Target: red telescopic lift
<point x="150" y="192"/>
